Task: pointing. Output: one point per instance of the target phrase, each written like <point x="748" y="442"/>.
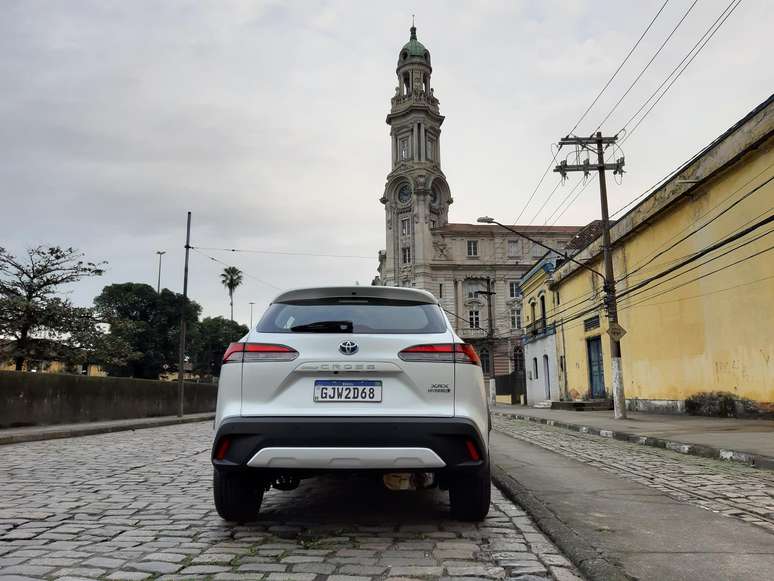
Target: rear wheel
<point x="470" y="495"/>
<point x="237" y="495"/>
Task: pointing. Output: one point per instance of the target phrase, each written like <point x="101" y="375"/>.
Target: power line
<point x="583" y="116"/>
<point x="645" y="68"/>
<point x="704" y="252"/>
<point x="667" y="291"/>
<point x="623" y="62"/>
<point x="729" y="251"/>
<point x="548" y="199"/>
<point x="698" y="229"/>
<point x="277" y="252"/>
<point x="709" y="32"/>
<point x="628" y="134"/>
<point x="247" y="274"/>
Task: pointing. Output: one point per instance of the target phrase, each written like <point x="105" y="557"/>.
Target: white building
<point x="461" y="264"/>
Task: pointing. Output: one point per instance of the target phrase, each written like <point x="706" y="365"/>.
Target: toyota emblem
<point x="348" y="347"/>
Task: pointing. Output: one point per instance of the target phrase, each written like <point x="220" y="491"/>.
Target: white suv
<point x="351" y="379"/>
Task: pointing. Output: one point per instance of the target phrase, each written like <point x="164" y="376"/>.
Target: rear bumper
<point x="319" y="444"/>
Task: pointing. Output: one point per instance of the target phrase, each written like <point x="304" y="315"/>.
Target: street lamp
<point x="158" y="285"/>
<point x="251" y="314"/>
<point x="488" y="220"/>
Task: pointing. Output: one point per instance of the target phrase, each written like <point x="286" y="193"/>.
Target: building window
<point x="472" y="247"/>
<point x="538" y="251"/>
<point x="591" y="323"/>
<point x="405" y="226"/>
<point x="430" y="149"/>
<point x="440" y="290"/>
<point x="558" y="302"/>
<point x="486" y="363"/>
<point x="404" y="149"/>
<point x="473" y="319"/>
<point x="432" y="224"/>
<point x="534" y="368"/>
<point x="472" y="286"/>
<point x="515" y="318"/>
<point x="543" y="307"/>
<point x="514" y="249"/>
<point x="532" y="311"/>
<point x="406" y="283"/>
<point x="513" y="289"/>
<point x="405" y="255"/>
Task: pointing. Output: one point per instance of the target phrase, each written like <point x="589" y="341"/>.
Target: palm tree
<point x="231" y="277"/>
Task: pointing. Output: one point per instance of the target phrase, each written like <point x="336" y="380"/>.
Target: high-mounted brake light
<point x="441" y="353"/>
<point x="252" y="352"/>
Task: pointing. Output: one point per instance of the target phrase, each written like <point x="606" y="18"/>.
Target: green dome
<point x="414" y="49"/>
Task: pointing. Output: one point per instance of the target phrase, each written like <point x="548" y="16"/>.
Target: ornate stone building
<point x="461" y="264"/>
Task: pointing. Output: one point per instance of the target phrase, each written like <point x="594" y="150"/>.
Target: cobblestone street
<point x="130" y="506"/>
<point x="728" y="488"/>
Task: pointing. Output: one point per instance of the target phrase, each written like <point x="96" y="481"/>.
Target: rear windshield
<point x="352" y="315"/>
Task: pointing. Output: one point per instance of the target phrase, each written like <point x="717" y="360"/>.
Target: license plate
<point x="347" y="391"/>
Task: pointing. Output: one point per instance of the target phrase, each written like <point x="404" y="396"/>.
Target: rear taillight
<point x="441" y="353"/>
<point x="251" y="352"/>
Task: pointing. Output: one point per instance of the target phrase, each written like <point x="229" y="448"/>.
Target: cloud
<point x="266" y="120"/>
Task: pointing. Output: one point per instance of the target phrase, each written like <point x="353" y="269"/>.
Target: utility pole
<point x="158" y="286"/>
<point x="251" y="314"/>
<point x="181" y="360"/>
<point x="615" y="331"/>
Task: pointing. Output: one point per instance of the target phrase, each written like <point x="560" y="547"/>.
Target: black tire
<point x="237" y="495"/>
<point x="469" y="496"/>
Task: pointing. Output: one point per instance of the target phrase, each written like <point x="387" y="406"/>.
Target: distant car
<point x="351" y="379"/>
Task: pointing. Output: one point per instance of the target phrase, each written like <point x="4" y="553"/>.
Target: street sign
<point x="616" y="331"/>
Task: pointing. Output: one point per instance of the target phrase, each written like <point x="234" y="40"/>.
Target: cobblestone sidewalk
<point x="728" y="488"/>
<point x="134" y="506"/>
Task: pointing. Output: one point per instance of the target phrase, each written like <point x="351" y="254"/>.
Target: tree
<point x="210" y="340"/>
<point x="35" y="322"/>
<point x="231" y="277"/>
<point x="148" y="322"/>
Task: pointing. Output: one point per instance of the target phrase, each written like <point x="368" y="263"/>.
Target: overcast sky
<point x="266" y="120"/>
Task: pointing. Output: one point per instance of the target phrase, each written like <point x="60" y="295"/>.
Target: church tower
<point x="416" y="197"/>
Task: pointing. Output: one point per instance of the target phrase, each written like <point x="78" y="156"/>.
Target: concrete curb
<point x="754" y="460"/>
<point x="593" y="563"/>
<point x="88" y="429"/>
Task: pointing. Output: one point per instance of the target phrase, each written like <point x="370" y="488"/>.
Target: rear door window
<point x="352" y="315"/>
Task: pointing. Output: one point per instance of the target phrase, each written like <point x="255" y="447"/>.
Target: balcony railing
<point x="538" y="329"/>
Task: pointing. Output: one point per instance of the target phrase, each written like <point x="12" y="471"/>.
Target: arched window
<point x="543" y="307"/>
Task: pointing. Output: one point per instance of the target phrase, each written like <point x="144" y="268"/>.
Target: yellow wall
<point x="714" y="334"/>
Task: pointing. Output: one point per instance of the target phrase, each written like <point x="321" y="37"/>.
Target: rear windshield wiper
<point x="324" y="327"/>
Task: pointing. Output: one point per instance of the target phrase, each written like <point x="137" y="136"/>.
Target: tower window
<point x="404" y="149"/>
<point x="405" y="226"/>
<point x="472" y="247"/>
<point x="405" y="254"/>
<point x="429" y="150"/>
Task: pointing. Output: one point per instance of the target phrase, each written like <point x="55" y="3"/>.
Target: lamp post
<point x="158" y="285"/>
<point x="251" y="314"/>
